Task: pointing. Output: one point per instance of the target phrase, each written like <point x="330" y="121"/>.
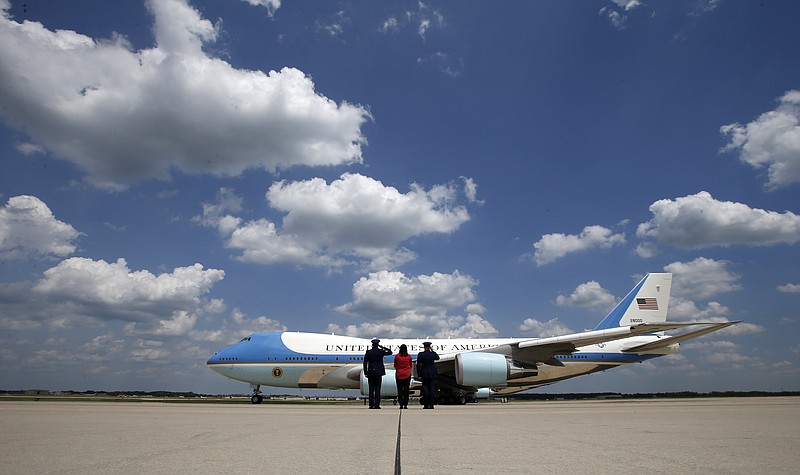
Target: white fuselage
<point x="311" y="360"/>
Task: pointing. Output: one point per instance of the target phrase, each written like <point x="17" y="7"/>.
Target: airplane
<point x="469" y="369"/>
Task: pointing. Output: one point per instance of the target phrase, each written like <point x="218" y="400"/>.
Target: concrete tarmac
<point x="708" y="436"/>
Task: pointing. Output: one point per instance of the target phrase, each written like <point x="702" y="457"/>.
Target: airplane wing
<point x="543" y="350"/>
<point x="527" y="354"/>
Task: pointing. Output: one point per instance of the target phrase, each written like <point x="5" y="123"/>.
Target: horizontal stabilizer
<point x="601" y="336"/>
<point x="671" y="340"/>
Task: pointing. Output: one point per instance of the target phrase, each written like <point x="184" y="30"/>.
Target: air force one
<point x="469" y="368"/>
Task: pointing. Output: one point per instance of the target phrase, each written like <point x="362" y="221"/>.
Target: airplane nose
<point x="213" y="364"/>
<point x="222" y="365"/>
<point x="213" y="359"/>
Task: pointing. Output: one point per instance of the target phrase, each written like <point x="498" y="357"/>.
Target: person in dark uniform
<point x="426" y="370"/>
<point x="374" y="370"/>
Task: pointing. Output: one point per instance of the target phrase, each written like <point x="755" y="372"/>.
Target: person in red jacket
<point x="402" y="366"/>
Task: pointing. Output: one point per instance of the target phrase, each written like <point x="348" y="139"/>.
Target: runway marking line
<point x="397" y="449"/>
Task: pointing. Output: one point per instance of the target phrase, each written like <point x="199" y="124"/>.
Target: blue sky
<point x="175" y="175"/>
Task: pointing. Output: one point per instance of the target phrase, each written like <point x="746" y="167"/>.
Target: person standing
<point x="402" y="366"/>
<point x="374" y="371"/>
<point x="426" y="370"/>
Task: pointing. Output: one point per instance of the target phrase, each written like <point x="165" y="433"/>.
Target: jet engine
<point x="482" y="369"/>
<point x="483" y="393"/>
<point x="388" y="384"/>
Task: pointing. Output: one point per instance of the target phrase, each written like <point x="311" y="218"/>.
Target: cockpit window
<point x="247" y="338"/>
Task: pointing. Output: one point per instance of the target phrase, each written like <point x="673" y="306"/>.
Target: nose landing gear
<point x="256" y="398"/>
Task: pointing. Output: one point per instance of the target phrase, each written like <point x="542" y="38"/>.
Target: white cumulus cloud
<point x="403" y="306"/>
<point x="702" y="278"/>
<point x="271" y="5"/>
<point x="384" y="294"/>
<point x="772" y="141"/>
<point x="354" y="220"/>
<point x="124" y="115"/>
<point x="590" y="295"/>
<point x="700" y="221"/>
<point x="789" y="288"/>
<point x="111" y="291"/>
<point x="537" y="328"/>
<point x="28" y="229"/>
<point x="555" y="246"/>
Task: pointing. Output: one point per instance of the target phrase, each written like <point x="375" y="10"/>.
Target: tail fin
<point x="646" y="303"/>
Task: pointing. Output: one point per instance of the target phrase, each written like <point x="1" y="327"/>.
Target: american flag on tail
<point x="647" y="304"/>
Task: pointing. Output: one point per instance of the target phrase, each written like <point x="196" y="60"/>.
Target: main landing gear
<point x="449" y="398"/>
<point x="256" y="398"/>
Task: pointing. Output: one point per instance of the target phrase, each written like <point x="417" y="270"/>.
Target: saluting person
<point x="426" y="370"/>
<point x="374" y="370"/>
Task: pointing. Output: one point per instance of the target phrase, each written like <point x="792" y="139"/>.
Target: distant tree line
<point x="672" y="395"/>
<point x="110" y="393"/>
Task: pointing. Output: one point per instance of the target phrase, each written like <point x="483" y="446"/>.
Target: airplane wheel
<point x="256" y="399"/>
<point x="461" y="400"/>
